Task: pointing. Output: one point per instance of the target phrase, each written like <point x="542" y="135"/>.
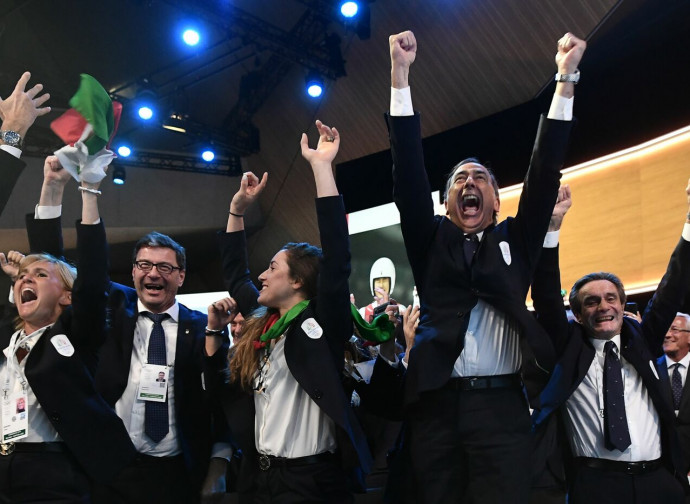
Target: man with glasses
<point x="151" y="333"/>
<point x="673" y="366"/>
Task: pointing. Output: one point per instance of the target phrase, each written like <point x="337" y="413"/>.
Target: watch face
<point x="11" y="138"/>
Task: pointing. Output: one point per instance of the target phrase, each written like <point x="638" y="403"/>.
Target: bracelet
<point x="214" y="332"/>
<point x="89" y="190"/>
<point x="573" y="77"/>
<point x="235" y="214"/>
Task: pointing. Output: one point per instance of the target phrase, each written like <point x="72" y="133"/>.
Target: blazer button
<point x="55" y="417"/>
<point x="475" y="292"/>
<point x="460" y="314"/>
<point x="318" y="394"/>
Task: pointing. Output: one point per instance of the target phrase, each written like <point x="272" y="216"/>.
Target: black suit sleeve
<point x="45" y="235"/>
<point x="546" y="295"/>
<point x="667" y="300"/>
<point x="10" y="169"/>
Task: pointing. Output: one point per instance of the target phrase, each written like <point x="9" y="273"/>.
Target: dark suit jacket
<point x="448" y="290"/>
<point x="64" y="385"/>
<point x="683" y="418"/>
<point x="192" y="406"/>
<point x="641" y="345"/>
<point x="316" y="364"/>
<point x="10" y="169"/>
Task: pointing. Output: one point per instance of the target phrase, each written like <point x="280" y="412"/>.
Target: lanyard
<point x="13" y="369"/>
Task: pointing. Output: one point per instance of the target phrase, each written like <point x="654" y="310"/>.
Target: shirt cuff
<point x="221" y="450"/>
<point x="401" y="102"/>
<point x="561" y="108"/>
<point x="551" y="239"/>
<point x="402" y="361"/>
<point x="11" y="297"/>
<point x="47" y="212"/>
<point x="15" y="151"/>
<point x="686" y="232"/>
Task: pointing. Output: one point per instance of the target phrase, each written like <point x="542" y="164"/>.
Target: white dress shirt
<point x="288" y="423"/>
<point x="132" y="410"/>
<point x="40" y="429"/>
<point x="584" y="420"/>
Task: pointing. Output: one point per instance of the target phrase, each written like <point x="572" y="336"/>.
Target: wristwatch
<point x="11" y="138"/>
<point x="573" y="77"/>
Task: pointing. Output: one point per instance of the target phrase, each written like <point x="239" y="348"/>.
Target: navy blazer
<point x="317" y="364"/>
<point x="196" y="432"/>
<point x="64" y="385"/>
<point x="683" y="418"/>
<point x="503" y="264"/>
<point x="641" y="345"/>
<point x="10" y="169"/>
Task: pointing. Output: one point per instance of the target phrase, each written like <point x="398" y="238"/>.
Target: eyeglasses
<point x="163" y="268"/>
<point x="676" y="330"/>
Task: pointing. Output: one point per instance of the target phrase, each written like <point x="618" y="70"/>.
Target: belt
<point x="641" y="467"/>
<point x="11" y="447"/>
<point x="485" y="382"/>
<point x="268" y="461"/>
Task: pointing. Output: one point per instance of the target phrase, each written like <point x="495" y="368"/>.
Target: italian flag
<point x="87" y="129"/>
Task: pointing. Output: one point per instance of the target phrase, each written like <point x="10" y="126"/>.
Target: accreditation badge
<point x="153" y="383"/>
<point x="15" y="416"/>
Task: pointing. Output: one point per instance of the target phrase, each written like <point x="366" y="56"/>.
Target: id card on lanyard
<point x="15" y="415"/>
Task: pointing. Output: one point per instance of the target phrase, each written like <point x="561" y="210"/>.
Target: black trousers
<point x="322" y="482"/>
<point x="42" y="477"/>
<point x="600" y="486"/>
<point x="150" y="480"/>
<point x="470" y="447"/>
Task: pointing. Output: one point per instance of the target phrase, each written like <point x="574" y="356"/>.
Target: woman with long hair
<point x="286" y="406"/>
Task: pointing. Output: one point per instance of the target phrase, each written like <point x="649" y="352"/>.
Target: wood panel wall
<point x="627" y="214"/>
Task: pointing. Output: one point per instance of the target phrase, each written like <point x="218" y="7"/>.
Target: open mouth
<point x="470" y="204"/>
<point x="601" y="320"/>
<point x="28" y="295"/>
<point x="153" y="287"/>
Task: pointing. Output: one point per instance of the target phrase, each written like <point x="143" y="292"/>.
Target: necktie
<point x="470" y="245"/>
<point x="156" y="414"/>
<point x="21" y="352"/>
<point x="616" y="433"/>
<point x="676" y="385"/>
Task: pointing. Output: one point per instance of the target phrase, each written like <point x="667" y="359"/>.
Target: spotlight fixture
<point x="349" y="9"/>
<point x="146" y="104"/>
<point x="119" y="175"/>
<point x="191" y="37"/>
<point x="124" y="150"/>
<point x="208" y="155"/>
<point x="314" y="85"/>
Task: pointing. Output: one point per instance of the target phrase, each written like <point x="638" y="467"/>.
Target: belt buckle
<point x="473" y="382"/>
<point x="6" y="448"/>
<point x="264" y="462"/>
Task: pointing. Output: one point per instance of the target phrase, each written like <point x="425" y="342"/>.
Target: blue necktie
<point x="469" y="246"/>
<point x="156" y="422"/>
<point x="616" y="434"/>
<point x="676" y="386"/>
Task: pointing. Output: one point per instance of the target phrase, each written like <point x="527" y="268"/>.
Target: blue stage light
<point x="145" y="112"/>
<point x="208" y="155"/>
<point x="119" y="175"/>
<point x="124" y="150"/>
<point x="191" y="37"/>
<point x="349" y="9"/>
